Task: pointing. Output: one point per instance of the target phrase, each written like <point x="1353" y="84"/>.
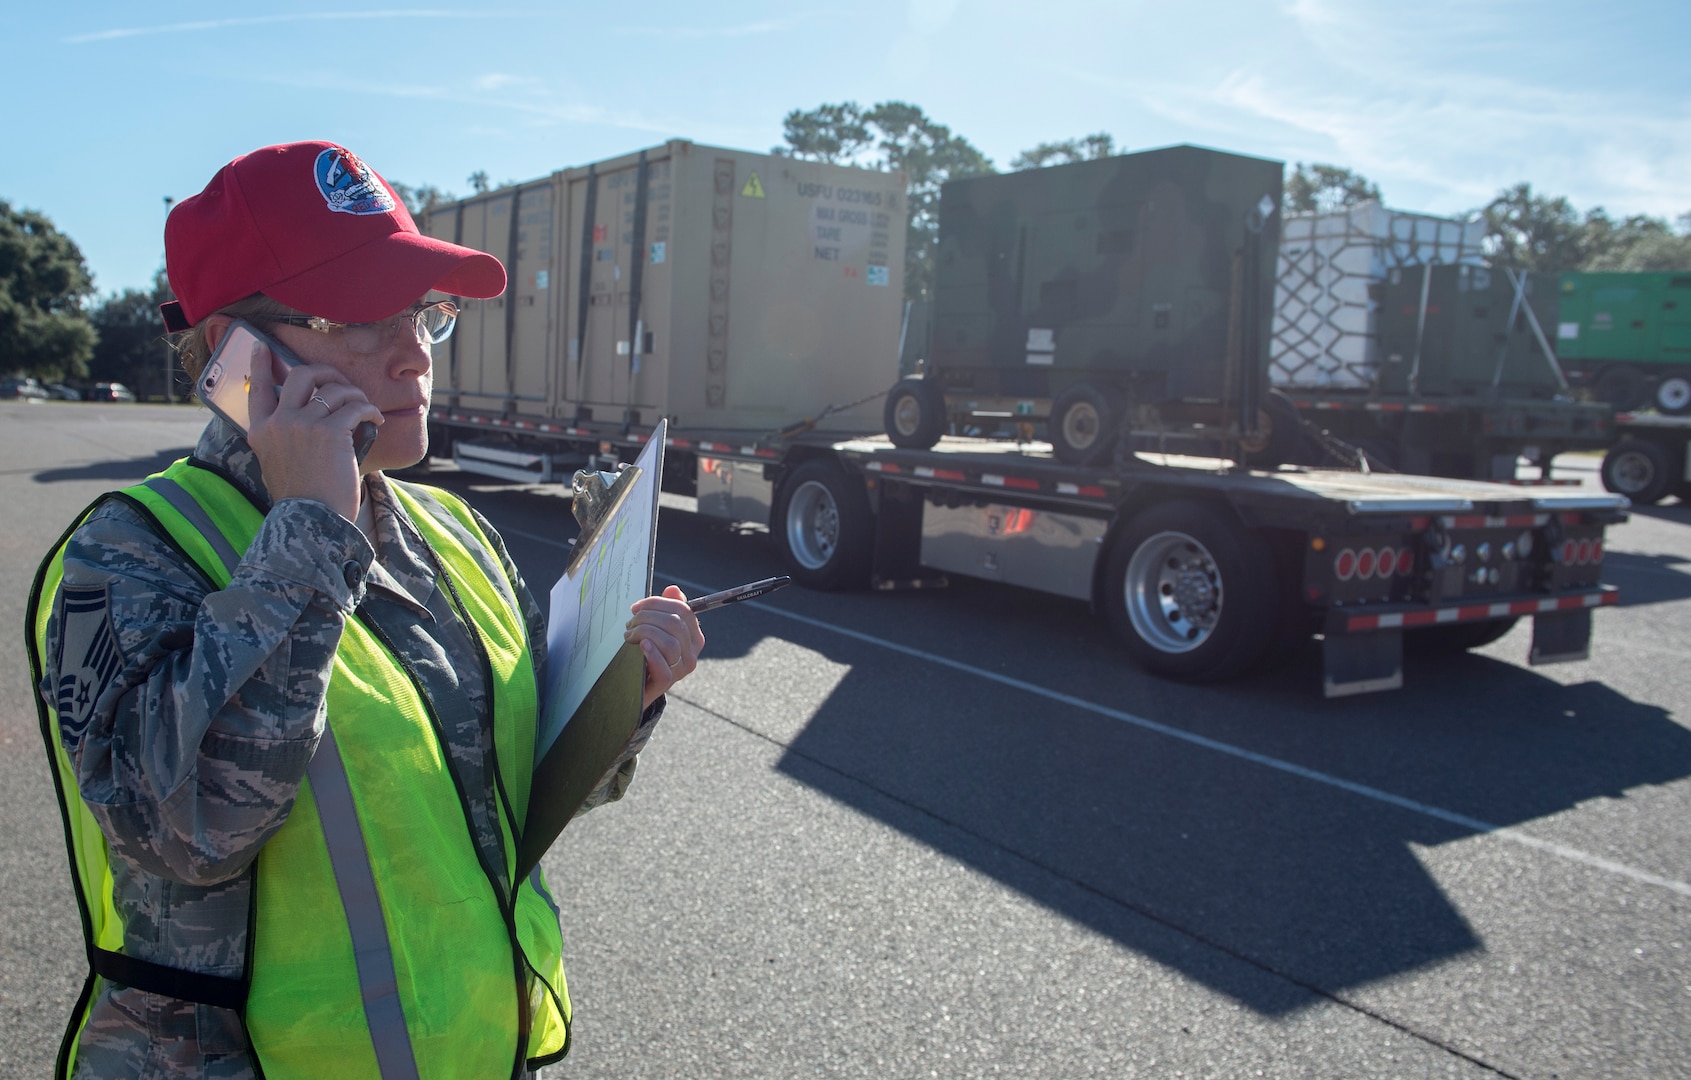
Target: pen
<point x="738" y="593"/>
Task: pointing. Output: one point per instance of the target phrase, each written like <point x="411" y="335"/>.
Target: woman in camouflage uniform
<point x="191" y="703"/>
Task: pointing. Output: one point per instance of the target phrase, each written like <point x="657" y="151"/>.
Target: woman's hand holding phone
<point x="301" y="428"/>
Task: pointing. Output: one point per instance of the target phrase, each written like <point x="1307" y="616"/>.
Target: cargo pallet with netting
<point x="1393" y="335"/>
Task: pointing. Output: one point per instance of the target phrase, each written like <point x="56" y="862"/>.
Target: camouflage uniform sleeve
<point x="614" y="784"/>
<point x="191" y="752"/>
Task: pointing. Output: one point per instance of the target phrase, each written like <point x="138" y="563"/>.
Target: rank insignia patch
<point x="89" y="658"/>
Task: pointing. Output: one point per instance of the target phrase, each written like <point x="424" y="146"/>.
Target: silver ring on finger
<point x="327" y="408"/>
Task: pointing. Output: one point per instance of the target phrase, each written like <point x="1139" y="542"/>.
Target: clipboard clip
<point x="594" y="496"/>
<point x="592" y="493"/>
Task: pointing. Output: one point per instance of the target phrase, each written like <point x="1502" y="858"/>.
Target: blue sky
<point x="1442" y="102"/>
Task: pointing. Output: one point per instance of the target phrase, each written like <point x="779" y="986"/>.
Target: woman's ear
<point x="216" y="327"/>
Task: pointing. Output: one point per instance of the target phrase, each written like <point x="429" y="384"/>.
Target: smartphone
<point x="227" y="379"/>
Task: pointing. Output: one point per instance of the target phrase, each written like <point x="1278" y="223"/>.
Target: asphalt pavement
<point x="956" y="834"/>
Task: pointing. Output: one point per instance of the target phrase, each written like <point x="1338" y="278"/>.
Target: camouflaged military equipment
<point x="191" y="716"/>
<point x="1120" y="271"/>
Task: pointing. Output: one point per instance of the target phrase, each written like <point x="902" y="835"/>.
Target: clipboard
<point x="590" y="708"/>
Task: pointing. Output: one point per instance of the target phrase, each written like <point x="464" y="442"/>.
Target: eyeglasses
<point x="431" y="323"/>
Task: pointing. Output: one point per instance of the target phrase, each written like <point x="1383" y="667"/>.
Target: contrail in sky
<point x="262" y="20"/>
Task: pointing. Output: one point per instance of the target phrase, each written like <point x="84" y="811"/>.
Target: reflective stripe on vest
<point x="439" y="990"/>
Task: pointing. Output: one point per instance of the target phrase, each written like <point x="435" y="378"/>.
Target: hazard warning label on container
<point x="753" y="188"/>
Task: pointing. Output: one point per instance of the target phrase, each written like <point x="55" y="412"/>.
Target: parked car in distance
<point x="61" y="392"/>
<point x="108" y="391"/>
<point x="25" y="389"/>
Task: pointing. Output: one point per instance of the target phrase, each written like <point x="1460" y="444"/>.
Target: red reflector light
<point x="1585" y="551"/>
<point x="1405" y="560"/>
<point x="1388" y="562"/>
<point x="1570" y="552"/>
<point x="1365" y="563"/>
<point x="1344" y="564"/>
<point x="1597" y="550"/>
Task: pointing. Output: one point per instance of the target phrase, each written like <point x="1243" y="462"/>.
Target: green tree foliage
<point x="478" y="181"/>
<point x="1085" y="148"/>
<point x="1321" y="189"/>
<point x="1528" y="231"/>
<point x="420" y="200"/>
<point x="43" y="283"/>
<point x="891" y="136"/>
<point x="131" y="347"/>
<point x="1636" y="243"/>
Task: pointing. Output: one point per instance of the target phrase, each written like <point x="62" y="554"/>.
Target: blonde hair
<point x="191" y="346"/>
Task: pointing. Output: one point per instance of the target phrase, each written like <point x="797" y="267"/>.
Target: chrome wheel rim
<point x="1081" y="425"/>
<point x="907" y="414"/>
<point x="1632" y="472"/>
<point x="813" y="525"/>
<point x="1173" y="592"/>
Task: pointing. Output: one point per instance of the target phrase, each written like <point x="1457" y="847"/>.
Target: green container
<point x="1119" y="272"/>
<point x="1460" y="340"/>
<point x="1636" y="318"/>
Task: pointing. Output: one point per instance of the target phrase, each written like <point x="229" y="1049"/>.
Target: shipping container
<point x="719" y="288"/>
<point x="1332" y="268"/>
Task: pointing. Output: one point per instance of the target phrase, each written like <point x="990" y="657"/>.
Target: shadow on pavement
<point x="1647" y="579"/>
<point x="119" y="471"/>
<point x="1678" y="513"/>
<point x="1312" y="882"/>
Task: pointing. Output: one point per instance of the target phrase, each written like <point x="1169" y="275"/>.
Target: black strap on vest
<point x="137" y="974"/>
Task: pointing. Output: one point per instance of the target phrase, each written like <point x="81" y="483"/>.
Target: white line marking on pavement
<point x="1504" y="832"/>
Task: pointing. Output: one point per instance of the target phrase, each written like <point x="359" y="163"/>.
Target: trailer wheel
<point x="1191" y="592"/>
<point x="1622" y="386"/>
<point x="915" y="413"/>
<point x="824" y="527"/>
<point x="1287" y="442"/>
<point x="1673" y="395"/>
<point x="1641" y="470"/>
<point x="1459" y="637"/>
<point x="1082" y="425"/>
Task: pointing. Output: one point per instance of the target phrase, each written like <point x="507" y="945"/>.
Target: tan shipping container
<point x="725" y="290"/>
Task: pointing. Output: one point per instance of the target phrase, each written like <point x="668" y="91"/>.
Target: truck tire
<point x="915" y="413"/>
<point x="824" y="527"/>
<point x="1083" y="425"/>
<point x="1288" y="443"/>
<point x="1622" y="386"/>
<point x="1641" y="470"/>
<point x="1673" y="394"/>
<point x="1459" y="637"/>
<point x="1191" y="592"/>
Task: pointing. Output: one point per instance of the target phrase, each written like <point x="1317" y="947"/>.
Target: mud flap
<point x="1561" y="636"/>
<point x="1362" y="663"/>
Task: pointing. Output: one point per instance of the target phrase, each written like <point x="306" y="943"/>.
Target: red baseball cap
<point x="309" y="224"/>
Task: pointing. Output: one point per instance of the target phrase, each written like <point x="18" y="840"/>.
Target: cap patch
<point x="348" y="185"/>
<point x="89" y="658"/>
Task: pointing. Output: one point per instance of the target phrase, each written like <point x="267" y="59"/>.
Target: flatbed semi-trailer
<point x="1477" y="436"/>
<point x="1204" y="570"/>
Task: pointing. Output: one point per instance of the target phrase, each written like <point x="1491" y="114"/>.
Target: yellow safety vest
<point x="382" y="945"/>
